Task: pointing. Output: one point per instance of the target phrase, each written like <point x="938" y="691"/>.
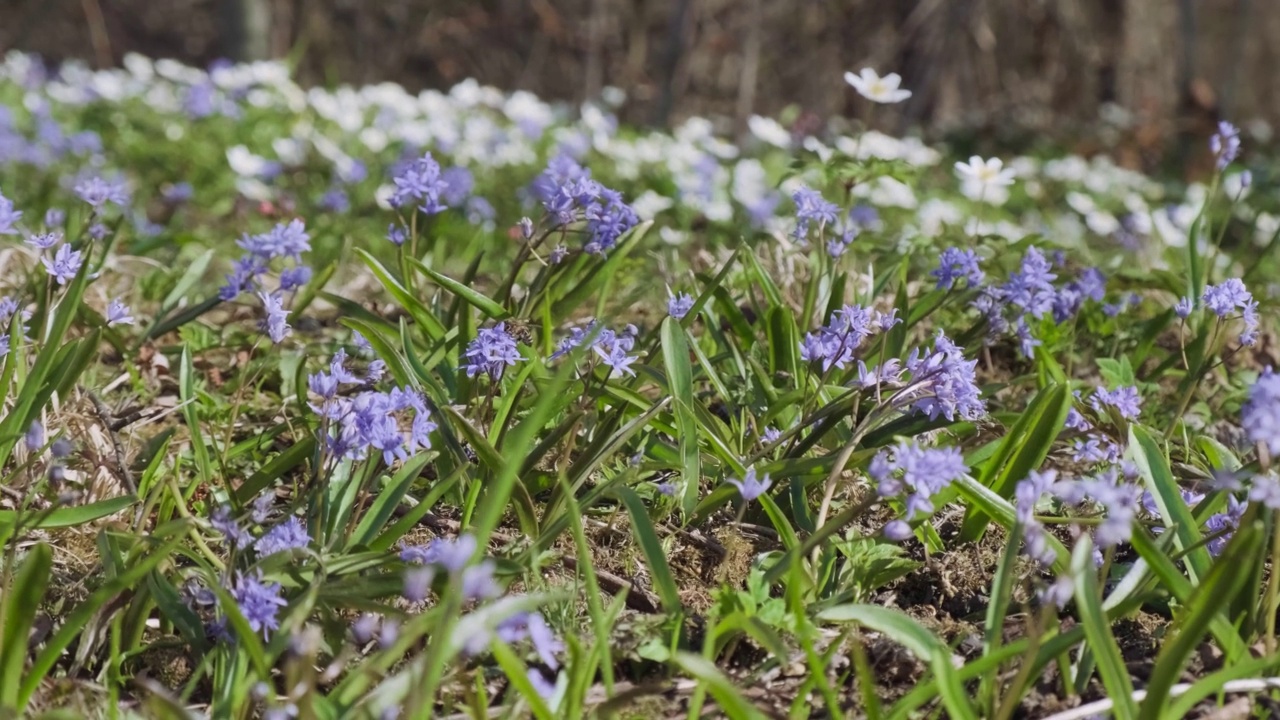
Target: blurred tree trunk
<point x="246" y="29"/>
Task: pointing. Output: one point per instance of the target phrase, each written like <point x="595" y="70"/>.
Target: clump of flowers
<point x="812" y="208"/>
<point x="1260" y="415"/>
<point x="942" y="382"/>
<point x="1228" y="296"/>
<point x="915" y="474"/>
<point x="955" y="265"/>
<point x="569" y="195"/>
<point x="286" y="241"/>
<point x="1225" y="144"/>
<point x="835" y="344"/>
<point x="370" y="420"/>
<point x="613" y="349"/>
<point x="492" y="351"/>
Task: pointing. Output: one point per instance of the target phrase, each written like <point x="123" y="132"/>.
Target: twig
<point x="1234" y="686"/>
<point x="107" y="418"/>
<point x="637" y="597"/>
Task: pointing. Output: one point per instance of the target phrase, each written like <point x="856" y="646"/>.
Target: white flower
<point x="985" y="179"/>
<point x="878" y="89"/>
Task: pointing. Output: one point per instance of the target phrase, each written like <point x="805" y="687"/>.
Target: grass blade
<point x="1097" y="629"/>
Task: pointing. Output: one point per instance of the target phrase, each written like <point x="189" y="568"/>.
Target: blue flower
<point x="98" y="192"/>
<point x="64" y="265"/>
<point x="1126" y="401"/>
<point x="276" y="323"/>
<point x="420" y="181"/>
<point x="492" y="351"/>
<point x="811" y="207"/>
<point x="258" y="602"/>
<point x="1260" y="414"/>
<point x="956" y="264"/>
<point x="1225" y="144"/>
<point x="945" y="383"/>
<point x="749" y="486"/>
<point x="8" y="216"/>
<point x="916" y="472"/>
<point x="1229" y="295"/>
<point x="834" y="344"/>
<point x="236" y="536"/>
<point x="284" y="240"/>
<point x="679" y="304"/>
<point x="288" y="535"/>
<point x="44" y="241"/>
<point x="118" y="313"/>
<point x="451" y="554"/>
<point x="1183" y="308"/>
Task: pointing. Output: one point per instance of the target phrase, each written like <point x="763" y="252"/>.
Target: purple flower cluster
<point x="1030" y="294"/>
<point x="370" y="420"/>
<point x="420" y="182"/>
<point x="956" y="264"/>
<point x="1096" y="449"/>
<point x="64" y="265"/>
<point x="8" y="216"/>
<point x="811" y="208"/>
<point x="491" y="352"/>
<point x="288" y="535"/>
<point x="276" y="322"/>
<point x="835" y="343"/>
<point x="942" y="382"/>
<point x="526" y="626"/>
<point x="915" y="474"/>
<point x="476" y="580"/>
<point x="613" y="348"/>
<point x="1115" y="494"/>
<point x="1226" y="297"/>
<point x="1124" y="400"/>
<point x="98" y="192"/>
<point x="259" y="602"/>
<point x="1225" y="144"/>
<point x="679" y="304"/>
<point x="569" y="194"/>
<point x="1222" y="524"/>
<point x="1027" y="495"/>
<point x="1260" y="414"/>
<point x="287" y="241"/>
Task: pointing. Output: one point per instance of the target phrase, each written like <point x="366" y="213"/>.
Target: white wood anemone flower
<point x="885" y="90"/>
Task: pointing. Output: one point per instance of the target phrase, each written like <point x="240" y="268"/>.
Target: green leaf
<point x="419" y="312"/>
<point x="25" y="408"/>
<point x="1219" y="589"/>
<point x="73" y="516"/>
<point x="473" y="298"/>
<point x="386" y="500"/>
<point x="600" y="272"/>
<point x="914" y="637"/>
<point x="1097" y="629"/>
<point x="726" y="693"/>
<point x="1023" y="449"/>
<point x="75" y="621"/>
<point x="664" y="582"/>
<point x="17" y="613"/>
<point x="1157" y="559"/>
<point x="675" y="354"/>
<point x="275" y="468"/>
<point x="1155" y="472"/>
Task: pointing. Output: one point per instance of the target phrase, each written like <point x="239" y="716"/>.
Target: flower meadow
<point x="352" y="403"/>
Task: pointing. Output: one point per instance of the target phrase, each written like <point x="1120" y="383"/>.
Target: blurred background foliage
<point x="1142" y="79"/>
